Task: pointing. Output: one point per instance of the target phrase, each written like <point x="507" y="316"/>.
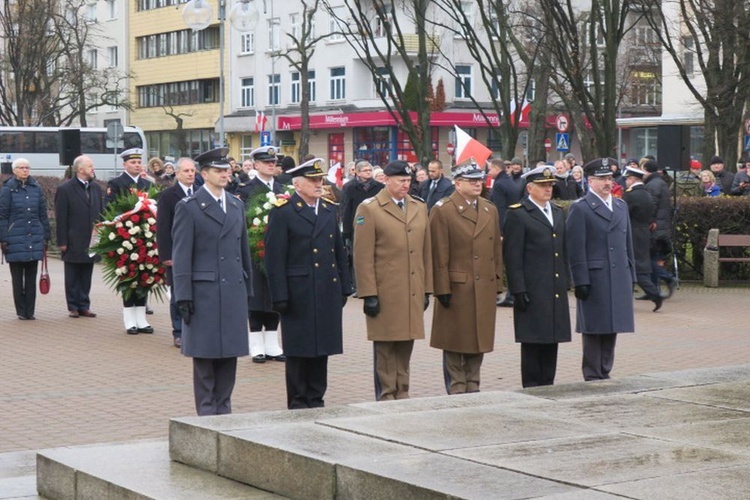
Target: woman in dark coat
<point x="24" y="233"/>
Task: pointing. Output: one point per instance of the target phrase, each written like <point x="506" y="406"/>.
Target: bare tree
<point x="712" y="38"/>
<point x="180" y="134"/>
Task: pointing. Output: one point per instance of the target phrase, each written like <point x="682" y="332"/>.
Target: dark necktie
<point x="86" y="190"/>
<point x="221" y="205"/>
<point x="190" y="191"/>
<point x="400" y="205"/>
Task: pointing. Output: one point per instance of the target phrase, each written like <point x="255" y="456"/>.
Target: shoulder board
<point x="556" y="205"/>
<point x="333" y="203"/>
<point x="629" y="189"/>
<point x="367" y="201"/>
<point x="281" y="202"/>
<point x="418" y="199"/>
<point x="440" y="203"/>
<point x="515" y="205"/>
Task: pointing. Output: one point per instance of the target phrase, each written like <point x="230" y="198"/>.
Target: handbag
<point x="44" y="282"/>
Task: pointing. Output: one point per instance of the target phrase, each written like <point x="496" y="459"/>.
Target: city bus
<point x="41" y="146"/>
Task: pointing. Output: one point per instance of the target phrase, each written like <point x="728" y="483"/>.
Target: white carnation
<point x="149" y="244"/>
<point x="120" y="251"/>
<point x="265" y="219"/>
<point x="148" y="234"/>
<point x="151" y="221"/>
<point x="141" y="267"/>
<point x="133" y="256"/>
<point x="112" y="236"/>
<point x="128" y="223"/>
<point x="256" y="222"/>
<point x="118" y="225"/>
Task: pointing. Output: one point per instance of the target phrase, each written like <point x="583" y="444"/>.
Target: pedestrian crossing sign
<point x="562" y="141"/>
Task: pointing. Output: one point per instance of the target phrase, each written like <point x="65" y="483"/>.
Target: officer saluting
<point x="309" y="281"/>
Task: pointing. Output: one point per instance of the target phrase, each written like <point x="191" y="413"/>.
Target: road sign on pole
<point x="265" y="138"/>
<point x="562" y="123"/>
<point x="547" y="144"/>
<point x="562" y="141"/>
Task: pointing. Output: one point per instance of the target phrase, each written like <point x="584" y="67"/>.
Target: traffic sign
<point x="265" y="138"/>
<point x="547" y="144"/>
<point x="747" y="143"/>
<point x="450" y="149"/>
<point x="562" y="123"/>
<point x="562" y="141"/>
<point x="115" y="131"/>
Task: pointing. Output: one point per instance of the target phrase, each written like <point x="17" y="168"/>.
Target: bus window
<point x="131" y="140"/>
<point x="46" y="142"/>
<point x="92" y="143"/>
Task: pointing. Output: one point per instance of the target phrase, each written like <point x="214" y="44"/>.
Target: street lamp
<point x="198" y="15"/>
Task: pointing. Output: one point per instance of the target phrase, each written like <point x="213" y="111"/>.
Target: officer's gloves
<point x="186" y="310"/>
<point x="371" y="306"/>
<point x="583" y="291"/>
<point x="521" y="301"/>
<point x="281" y="307"/>
<point x="445" y="300"/>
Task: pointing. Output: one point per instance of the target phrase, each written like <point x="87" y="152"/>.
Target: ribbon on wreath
<point x="144" y="203"/>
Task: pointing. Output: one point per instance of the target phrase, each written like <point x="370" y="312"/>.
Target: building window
<point x="335" y="26"/>
<point x="247" y="43"/>
<point x="646" y="89"/>
<point x="496" y="83"/>
<point x="383" y="82"/>
<point x="247" y="93"/>
<point x="178" y="93"/>
<point x="311" y="85"/>
<point x="338" y="84"/>
<point x="91" y="12"/>
<point x="91" y="57"/>
<point x="246" y="146"/>
<point x="463" y="81"/>
<point x="274" y="86"/>
<point x="296" y="96"/>
<point x="383" y="24"/>
<point x="274" y="34"/>
<point x="111" y="9"/>
<point x="112" y="56"/>
<point x="177" y="42"/>
<point x="531" y="90"/>
<point x="296" y="31"/>
<point x="688" y="54"/>
<point x="645" y="36"/>
<point x="468" y="10"/>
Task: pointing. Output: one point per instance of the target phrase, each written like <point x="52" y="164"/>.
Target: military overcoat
<point x="393" y="261"/>
<point x="600" y="249"/>
<point x="211" y="267"/>
<point x="641" y="210"/>
<point x="536" y="262"/>
<point x="467" y="263"/>
<point x="306" y="265"/>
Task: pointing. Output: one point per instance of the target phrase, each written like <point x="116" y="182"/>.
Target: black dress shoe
<point x="30" y="317"/>
<point x="132" y="330"/>
<point x="280" y="357"/>
<point x="506" y="302"/>
<point x="260" y="358"/>
<point x="672" y="287"/>
<point x="73" y="314"/>
<point x="658" y="301"/>
<point x="177" y="342"/>
<point x="146" y="329"/>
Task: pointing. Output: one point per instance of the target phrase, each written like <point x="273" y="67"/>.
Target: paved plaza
<point x="81" y="381"/>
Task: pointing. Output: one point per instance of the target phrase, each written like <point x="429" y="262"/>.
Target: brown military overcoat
<point x="393" y="261"/>
<point x="467" y="264"/>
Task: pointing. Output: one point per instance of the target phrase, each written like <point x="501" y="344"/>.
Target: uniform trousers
<point x="538" y="364"/>
<point x="263" y="319"/>
<point x="647" y="285"/>
<point x="174" y="313"/>
<point x="134" y="301"/>
<point x="78" y="285"/>
<point x="461" y="371"/>
<point x="598" y="355"/>
<point x="23" y="277"/>
<point x="391" y="362"/>
<point x="213" y="383"/>
<point x="306" y="382"/>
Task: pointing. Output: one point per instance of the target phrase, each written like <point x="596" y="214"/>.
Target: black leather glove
<point x="186" y="309"/>
<point x="445" y="300"/>
<point x="582" y="292"/>
<point x="371" y="306"/>
<point x="4" y="246"/>
<point x="521" y="301"/>
<point x="281" y="307"/>
<point x="344" y="298"/>
<point x="426" y="301"/>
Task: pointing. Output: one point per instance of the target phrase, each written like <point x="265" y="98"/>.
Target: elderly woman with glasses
<point x="24" y="233"/>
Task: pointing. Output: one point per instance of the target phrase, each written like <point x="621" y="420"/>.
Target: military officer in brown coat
<point x="467" y="270"/>
<point x="393" y="265"/>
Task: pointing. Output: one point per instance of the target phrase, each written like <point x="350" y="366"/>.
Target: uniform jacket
<point x="641" y="210"/>
<point x="261" y="299"/>
<point x="211" y="267"/>
<point x="600" y="249"/>
<point x="393" y="261"/>
<point x="536" y="262"/>
<point x="165" y="208"/>
<point x="122" y="183"/>
<point x="467" y="262"/>
<point x="662" y="215"/>
<point x="444" y="188"/>
<point x="352" y="194"/>
<point x="307" y="267"/>
<point x="75" y="215"/>
<point x="24" y="224"/>
<point x="504" y="193"/>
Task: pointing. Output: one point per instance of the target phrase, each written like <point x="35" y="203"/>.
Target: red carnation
<point x="261" y="253"/>
<point x="111" y="254"/>
<point x="135" y="218"/>
<point x="131" y="274"/>
<point x="132" y="266"/>
<point x="144" y="276"/>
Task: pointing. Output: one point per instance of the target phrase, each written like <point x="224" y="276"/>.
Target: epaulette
<point x="329" y="201"/>
<point x="367" y="201"/>
<point x="418" y="198"/>
<point x="557" y="206"/>
<point x="515" y="205"/>
<point x="280" y="202"/>
<point x="629" y="189"/>
<point x="439" y="203"/>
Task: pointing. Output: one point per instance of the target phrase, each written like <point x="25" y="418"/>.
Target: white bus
<point x="41" y="146"/>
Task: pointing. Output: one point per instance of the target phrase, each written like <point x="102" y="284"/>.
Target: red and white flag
<point x="468" y="148"/>
<point x="260" y="121"/>
<point x="525" y="110"/>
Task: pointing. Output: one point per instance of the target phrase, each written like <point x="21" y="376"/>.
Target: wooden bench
<point x="712" y="254"/>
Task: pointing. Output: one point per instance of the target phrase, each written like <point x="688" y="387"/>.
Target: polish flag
<point x="525" y="110"/>
<point x="260" y="121"/>
<point x="335" y="174"/>
<point x="468" y="148"/>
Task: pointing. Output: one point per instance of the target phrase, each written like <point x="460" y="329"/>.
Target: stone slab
<point x="130" y="471"/>
<point x="633" y="384"/>
<point x="602" y="460"/>
<point x="729" y="435"/>
<point x="703" y="376"/>
<point x="298" y="460"/>
<point x="194" y="440"/>
<point x="733" y="395"/>
<point x="489" y="398"/>
<point x="725" y="484"/>
<point x="461" y="427"/>
<point x="17" y="488"/>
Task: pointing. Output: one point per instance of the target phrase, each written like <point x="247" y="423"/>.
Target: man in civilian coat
<point x="641" y="210"/>
<point x="78" y="203"/>
<point x="211" y="271"/>
<point x="437" y="186"/>
<point x="134" y="308"/>
<point x="264" y="345"/>
<point x="309" y="282"/>
<point x="393" y="265"/>
<point x="536" y="261"/>
<point x="168" y="199"/>
<point x="467" y="270"/>
<point x="602" y="264"/>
